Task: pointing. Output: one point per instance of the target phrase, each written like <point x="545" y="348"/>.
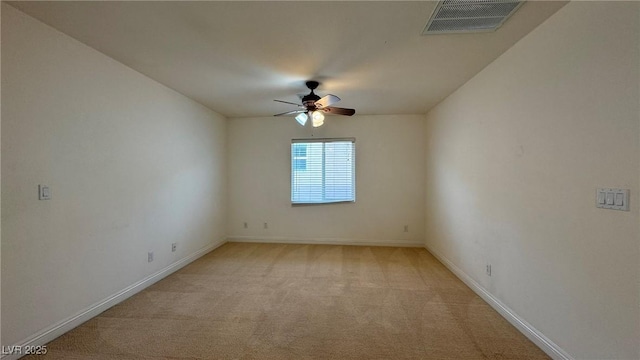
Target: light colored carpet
<point x="275" y="301"/>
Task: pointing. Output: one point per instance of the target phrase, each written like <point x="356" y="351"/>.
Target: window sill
<point x="322" y="203"/>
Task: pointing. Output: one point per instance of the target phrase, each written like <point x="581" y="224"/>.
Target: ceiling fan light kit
<point x="302" y="118"/>
<point x="317" y="119"/>
<point x="314" y="107"/>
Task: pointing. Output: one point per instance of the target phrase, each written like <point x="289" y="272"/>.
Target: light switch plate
<point x="613" y="199"/>
<point x="44" y="193"/>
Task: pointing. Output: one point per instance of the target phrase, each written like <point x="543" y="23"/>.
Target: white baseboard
<point x="55" y="330"/>
<point x="325" y="241"/>
<point x="548" y="346"/>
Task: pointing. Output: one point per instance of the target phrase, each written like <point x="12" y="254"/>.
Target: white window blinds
<point x="322" y="171"/>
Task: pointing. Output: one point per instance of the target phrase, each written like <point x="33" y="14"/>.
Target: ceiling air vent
<point x="464" y="16"/>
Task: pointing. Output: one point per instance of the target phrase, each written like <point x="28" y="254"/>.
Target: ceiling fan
<point x="314" y="107"/>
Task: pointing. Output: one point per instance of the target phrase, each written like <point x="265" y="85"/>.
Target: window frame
<point x="323" y="141"/>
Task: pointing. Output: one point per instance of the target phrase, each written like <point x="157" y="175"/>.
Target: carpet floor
<point x="276" y="301"/>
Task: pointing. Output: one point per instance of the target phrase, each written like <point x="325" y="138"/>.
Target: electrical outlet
<point x="150" y="256"/>
<point x="488" y="269"/>
<point x="406" y="228"/>
<point x="266" y="226"/>
<point x="174" y="246"/>
<point x="246" y="225"/>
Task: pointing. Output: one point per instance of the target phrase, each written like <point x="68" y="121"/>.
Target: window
<point x="322" y="171"/>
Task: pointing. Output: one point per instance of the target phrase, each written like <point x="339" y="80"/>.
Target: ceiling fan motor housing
<point x="309" y="101"/>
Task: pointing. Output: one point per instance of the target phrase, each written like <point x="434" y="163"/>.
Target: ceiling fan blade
<point x="326" y="100"/>
<point x="290" y="112"/>
<point x="339" y="111"/>
<point x="287" y="102"/>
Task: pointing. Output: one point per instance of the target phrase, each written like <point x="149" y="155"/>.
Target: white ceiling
<point x="237" y="57"/>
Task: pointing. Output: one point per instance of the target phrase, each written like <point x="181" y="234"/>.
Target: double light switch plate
<point x="43" y="192"/>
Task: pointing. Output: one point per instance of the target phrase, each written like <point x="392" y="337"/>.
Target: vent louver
<point x="463" y="16"/>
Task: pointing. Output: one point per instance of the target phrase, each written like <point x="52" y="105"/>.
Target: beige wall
<point x="513" y="161"/>
<point x="133" y="166"/>
<point x="0" y="191"/>
<point x="389" y="182"/>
